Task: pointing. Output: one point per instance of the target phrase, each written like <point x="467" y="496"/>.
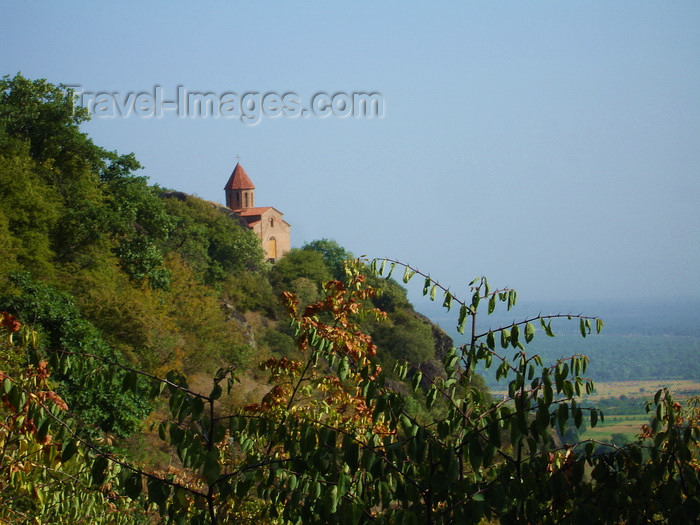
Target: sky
<point x="553" y="147"/>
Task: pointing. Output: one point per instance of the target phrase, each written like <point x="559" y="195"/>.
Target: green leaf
<point x="343" y="369"/>
<point x="133" y="485"/>
<point x="221" y="373"/>
<point x="158" y="491"/>
<point x="368" y="459"/>
<point x="426" y="285"/>
<point x="433" y="292"/>
<point x="462" y="318"/>
<point x="415" y="383"/>
<point x="450" y="362"/>
<point x="599" y="325"/>
<point x="43" y="429"/>
<point x="568" y="389"/>
<point x="505" y="338"/>
<point x="548" y="394"/>
<point x="130" y="382"/>
<point x="216" y="392"/>
<point x="529" y="332"/>
<point x="476" y="453"/>
<point x="514" y="335"/>
<point x="212" y="468"/>
<point x="292" y="482"/>
<point x="490" y="341"/>
<point x="331" y="499"/>
<point x="447" y="303"/>
<point x="589" y="449"/>
<point x="351" y="452"/>
<point x="562" y="416"/>
<point x="547" y="327"/>
<point x="98" y="469"/>
<point x="402" y="371"/>
<point x="582" y="327"/>
<point x="16" y="398"/>
<point x="492" y="303"/>
<point x="70" y="447"/>
<point x="476" y="299"/>
<point x="431" y="397"/>
<point x="157" y="388"/>
<point x="657" y="396"/>
<point x="197" y="408"/>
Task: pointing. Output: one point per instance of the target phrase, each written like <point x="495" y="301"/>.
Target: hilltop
<point x="154" y="277"/>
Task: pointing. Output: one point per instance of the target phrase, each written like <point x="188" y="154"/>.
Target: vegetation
<point x="132" y="315"/>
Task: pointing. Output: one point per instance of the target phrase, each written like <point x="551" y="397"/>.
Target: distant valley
<point x="641" y="340"/>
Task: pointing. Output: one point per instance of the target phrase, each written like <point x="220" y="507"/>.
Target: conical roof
<point x="239" y="180"/>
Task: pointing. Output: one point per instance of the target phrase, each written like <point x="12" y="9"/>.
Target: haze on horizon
<point x="551" y="147"/>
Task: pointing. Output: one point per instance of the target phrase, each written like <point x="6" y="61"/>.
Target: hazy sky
<point x="552" y="146"/>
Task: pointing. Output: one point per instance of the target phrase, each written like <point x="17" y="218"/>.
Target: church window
<point x="272" y="248"/>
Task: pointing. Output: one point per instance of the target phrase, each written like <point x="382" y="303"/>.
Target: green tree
<point x="69" y="197"/>
<point x="334" y="255"/>
<point x="45" y="116"/>
<point x="403" y="336"/>
<point x="299" y="263"/>
<point x="210" y="241"/>
<point x="29" y="210"/>
<point x="136" y="219"/>
<point x="97" y="398"/>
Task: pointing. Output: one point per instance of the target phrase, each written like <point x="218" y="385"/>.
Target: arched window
<point x="272" y="248"/>
<point x="272" y="222"/>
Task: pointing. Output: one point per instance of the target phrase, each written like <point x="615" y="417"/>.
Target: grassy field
<point x="629" y="425"/>
<point x="623" y="404"/>
<point x="680" y="388"/>
<point x="644" y="390"/>
<point x="625" y="401"/>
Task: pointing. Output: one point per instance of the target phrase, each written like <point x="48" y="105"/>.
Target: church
<point x="265" y="221"/>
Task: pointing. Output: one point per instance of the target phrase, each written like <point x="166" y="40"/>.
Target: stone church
<point x="266" y="221"/>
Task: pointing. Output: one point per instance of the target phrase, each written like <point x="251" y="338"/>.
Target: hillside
<point x="154" y="369"/>
<point x="158" y="278"/>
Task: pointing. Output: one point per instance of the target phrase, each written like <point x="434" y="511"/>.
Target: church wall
<point x="279" y="230"/>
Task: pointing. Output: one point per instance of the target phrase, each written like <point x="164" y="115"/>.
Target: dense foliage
<point x="148" y="373"/>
